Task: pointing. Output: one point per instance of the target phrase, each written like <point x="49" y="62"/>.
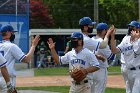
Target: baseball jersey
<point x="90" y="44"/>
<point x="136" y="50"/>
<point x="11" y="53"/>
<point x="126" y="48"/>
<point x="122" y="56"/>
<point x="85" y="58"/>
<point x="2" y="60"/>
<point x="106" y="52"/>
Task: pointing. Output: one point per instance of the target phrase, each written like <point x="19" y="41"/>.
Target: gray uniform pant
<point x="3" y="86"/>
<point x="80" y="88"/>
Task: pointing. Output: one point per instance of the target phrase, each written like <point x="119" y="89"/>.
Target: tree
<point x="40" y="16"/>
<point x="67" y="13"/>
<point x="118" y="12"/>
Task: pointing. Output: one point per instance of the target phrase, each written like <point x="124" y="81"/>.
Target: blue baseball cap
<point x="6" y="28"/>
<point x="76" y="35"/>
<point x="135" y="24"/>
<point x="86" y="21"/>
<point x="101" y="26"/>
<point x="138" y="25"/>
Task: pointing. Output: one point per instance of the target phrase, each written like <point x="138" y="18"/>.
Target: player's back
<point x="11" y="53"/>
<point x="106" y="52"/>
<point x="90" y="43"/>
<point x="5" y="48"/>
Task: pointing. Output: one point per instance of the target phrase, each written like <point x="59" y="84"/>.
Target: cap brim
<point x="15" y="31"/>
<point x="70" y="38"/>
<point x="130" y="25"/>
<point x="93" y="23"/>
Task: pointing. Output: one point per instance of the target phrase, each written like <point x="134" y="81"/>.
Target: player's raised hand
<point x="35" y="40"/>
<point x="113" y="32"/>
<point x="110" y="31"/>
<point x="51" y="43"/>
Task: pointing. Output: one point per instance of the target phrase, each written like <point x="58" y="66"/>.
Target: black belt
<point x="79" y="83"/>
<point x="134" y="68"/>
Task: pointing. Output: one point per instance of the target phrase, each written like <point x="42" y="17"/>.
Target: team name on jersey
<point x="80" y="61"/>
<point x="129" y="48"/>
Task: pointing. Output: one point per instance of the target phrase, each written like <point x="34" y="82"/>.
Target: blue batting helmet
<point x="86" y="21"/>
<point x="101" y="26"/>
<point x="6" y="28"/>
<point x="134" y="23"/>
<point x="77" y="35"/>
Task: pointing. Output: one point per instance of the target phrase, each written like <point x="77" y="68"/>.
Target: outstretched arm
<point x="104" y="43"/>
<point x="100" y="57"/>
<point x="53" y="51"/>
<point x="5" y="74"/>
<point x="113" y="43"/>
<point x="35" y="41"/>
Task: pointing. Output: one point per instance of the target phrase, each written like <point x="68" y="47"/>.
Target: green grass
<point x="65" y="89"/>
<point x="62" y="71"/>
<point x="52" y="71"/>
<point x="114" y="70"/>
<point x="115" y="90"/>
<point x="61" y="89"/>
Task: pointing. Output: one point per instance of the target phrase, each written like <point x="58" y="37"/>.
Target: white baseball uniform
<point x="131" y="52"/>
<point x="90" y="44"/>
<point x="135" y="76"/>
<point x="11" y="53"/>
<point x="2" y="60"/>
<point x="100" y="76"/>
<point x="2" y="63"/>
<point x="85" y="58"/>
<point x="124" y="68"/>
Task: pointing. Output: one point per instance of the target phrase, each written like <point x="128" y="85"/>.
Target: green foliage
<point x="118" y="12"/>
<point x="67" y="13"/>
<point x="65" y="89"/>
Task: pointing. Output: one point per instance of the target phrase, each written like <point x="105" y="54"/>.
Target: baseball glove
<point x="11" y="89"/>
<point x="78" y="74"/>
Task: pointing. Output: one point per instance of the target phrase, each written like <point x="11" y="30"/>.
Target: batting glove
<point x="10" y="88"/>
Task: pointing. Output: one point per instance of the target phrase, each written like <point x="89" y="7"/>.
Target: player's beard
<point x="12" y="37"/>
<point x="129" y="30"/>
<point x="74" y="44"/>
<point x="90" y="30"/>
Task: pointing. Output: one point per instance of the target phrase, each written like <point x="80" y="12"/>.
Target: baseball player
<point x="131" y="26"/>
<point x="129" y="47"/>
<point x="86" y="26"/>
<point x="100" y="76"/>
<point x="42" y="54"/>
<point x="12" y="53"/>
<point x="78" y="57"/>
<point x="5" y="74"/>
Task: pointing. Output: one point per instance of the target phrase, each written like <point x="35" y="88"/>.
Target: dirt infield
<point x="115" y="81"/>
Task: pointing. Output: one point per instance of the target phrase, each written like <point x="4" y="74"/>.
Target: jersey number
<point x="2" y="52"/>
